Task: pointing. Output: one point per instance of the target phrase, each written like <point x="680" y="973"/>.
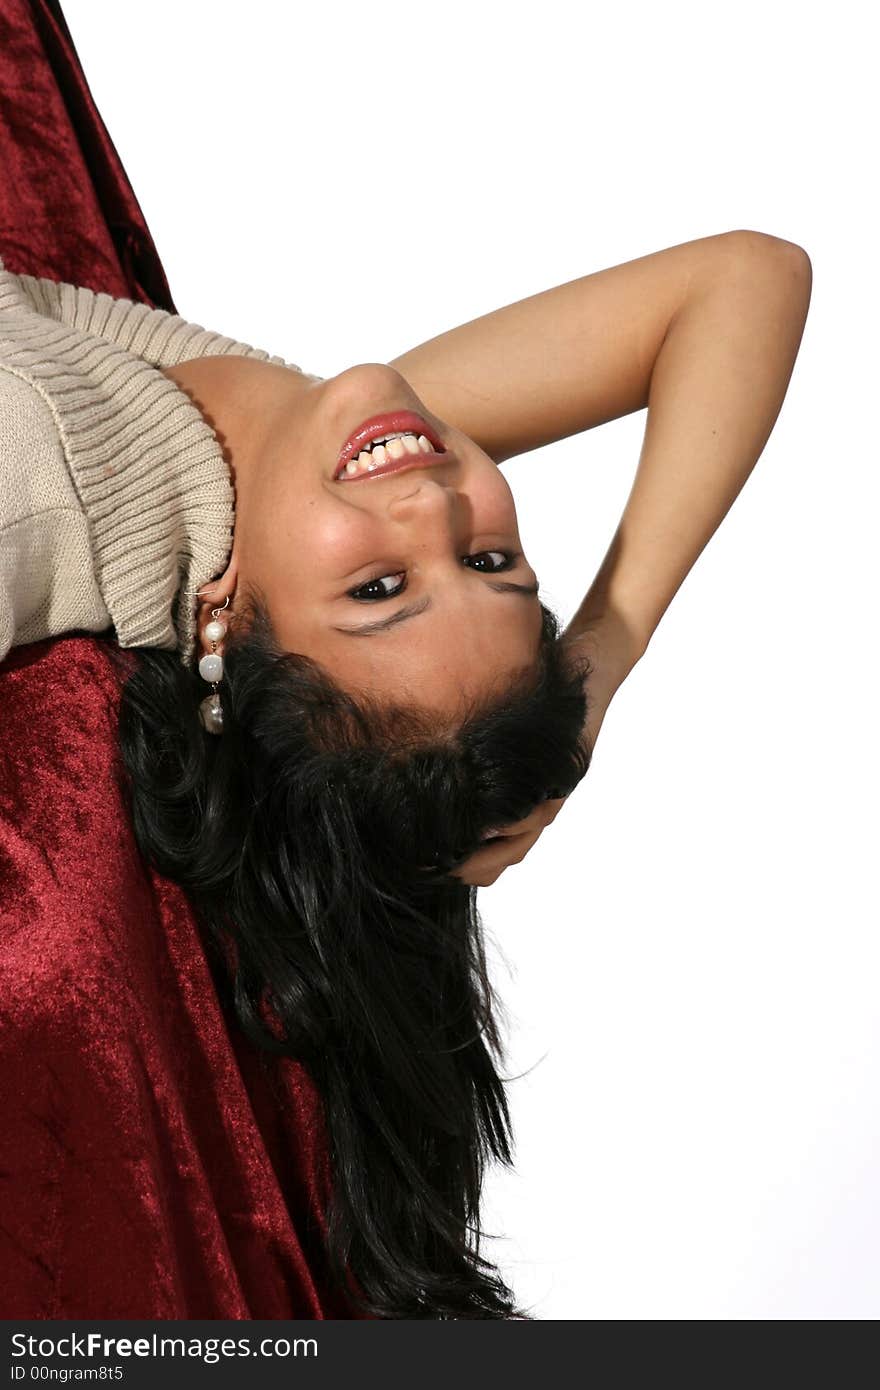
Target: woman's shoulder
<point x="157" y="336"/>
<point x="32" y="468"/>
<point x="47" y="579"/>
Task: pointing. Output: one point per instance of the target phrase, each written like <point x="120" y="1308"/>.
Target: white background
<point x="690" y="955"/>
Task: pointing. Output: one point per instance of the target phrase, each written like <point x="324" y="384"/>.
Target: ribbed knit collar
<point x="148" y="469"/>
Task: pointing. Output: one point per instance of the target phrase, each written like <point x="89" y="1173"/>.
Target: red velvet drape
<point x="152" y="1163"/>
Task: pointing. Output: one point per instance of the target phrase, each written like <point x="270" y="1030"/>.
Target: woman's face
<point x="432" y="553"/>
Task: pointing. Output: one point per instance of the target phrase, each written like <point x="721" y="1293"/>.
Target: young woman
<point x="348" y="706"/>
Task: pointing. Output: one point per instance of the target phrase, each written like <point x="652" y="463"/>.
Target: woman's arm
<point x="704" y="334"/>
<point x="716" y="389"/>
<point x="572" y="357"/>
<point x="559" y="362"/>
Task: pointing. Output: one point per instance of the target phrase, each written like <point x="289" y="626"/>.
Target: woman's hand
<point x="509" y="845"/>
<point x="612" y="652"/>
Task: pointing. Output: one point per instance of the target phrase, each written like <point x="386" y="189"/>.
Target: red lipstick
<point x="376" y="427"/>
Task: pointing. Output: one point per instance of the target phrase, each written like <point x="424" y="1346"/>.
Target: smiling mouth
<point x="380" y="468"/>
<point x="389" y="443"/>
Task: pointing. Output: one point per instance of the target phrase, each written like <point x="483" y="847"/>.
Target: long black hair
<point x="315" y="839"/>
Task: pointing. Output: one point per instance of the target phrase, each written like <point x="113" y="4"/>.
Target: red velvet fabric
<point x="153" y="1164"/>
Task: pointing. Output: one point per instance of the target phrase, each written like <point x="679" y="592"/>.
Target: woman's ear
<point x="216" y="594"/>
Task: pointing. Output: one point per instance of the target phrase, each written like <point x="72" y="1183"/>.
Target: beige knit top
<point x="115" y="500"/>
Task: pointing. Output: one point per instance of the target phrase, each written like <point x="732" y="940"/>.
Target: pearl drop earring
<point x="211" y="670"/>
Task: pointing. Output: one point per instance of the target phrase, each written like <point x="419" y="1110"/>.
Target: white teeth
<point x="393" y="446"/>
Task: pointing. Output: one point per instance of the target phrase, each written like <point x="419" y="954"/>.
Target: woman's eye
<point x="373" y="591"/>
<point x="506" y="560"/>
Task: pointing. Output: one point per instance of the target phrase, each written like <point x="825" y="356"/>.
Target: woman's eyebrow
<point x="501" y="586"/>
